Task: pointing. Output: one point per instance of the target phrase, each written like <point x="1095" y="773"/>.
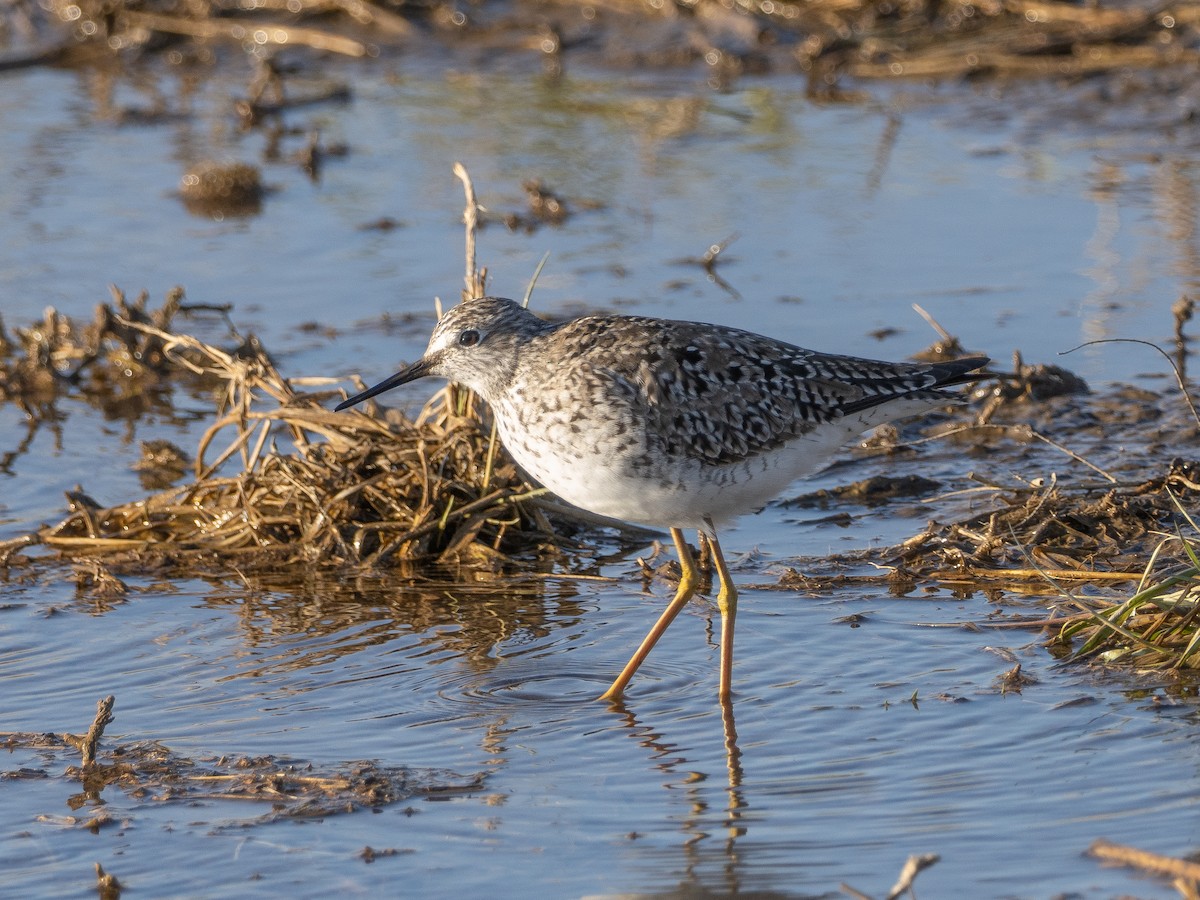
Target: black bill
<point x="404" y="376"/>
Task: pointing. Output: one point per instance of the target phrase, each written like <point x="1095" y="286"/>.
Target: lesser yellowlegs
<point x="667" y="424"/>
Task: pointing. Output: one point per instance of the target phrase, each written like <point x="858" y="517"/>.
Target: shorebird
<point x="668" y="424"/>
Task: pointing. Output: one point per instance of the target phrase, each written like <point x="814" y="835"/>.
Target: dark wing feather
<point x="723" y="394"/>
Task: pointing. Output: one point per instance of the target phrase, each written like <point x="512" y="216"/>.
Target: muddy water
<point x="852" y="745"/>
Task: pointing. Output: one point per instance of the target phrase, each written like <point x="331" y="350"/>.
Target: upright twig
<point x="533" y="280"/>
<point x="475" y="279"/>
<point x="87" y="743"/>
<point x="913" y="866"/>
<point x="460" y="400"/>
<point x="933" y="323"/>
<point x="107" y="885"/>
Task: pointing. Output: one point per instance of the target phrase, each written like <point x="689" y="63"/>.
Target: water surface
<point x="855" y="746"/>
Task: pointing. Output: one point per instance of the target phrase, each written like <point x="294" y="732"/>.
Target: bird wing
<point x="723" y="394"/>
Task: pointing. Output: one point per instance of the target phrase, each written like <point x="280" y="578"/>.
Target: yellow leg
<point x="727" y="604"/>
<point x="688" y="579"/>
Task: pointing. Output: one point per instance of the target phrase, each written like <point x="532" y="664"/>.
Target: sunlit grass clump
<point x="1158" y="625"/>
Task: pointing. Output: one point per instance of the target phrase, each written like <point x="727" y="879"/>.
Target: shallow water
<point x="855" y="746"/>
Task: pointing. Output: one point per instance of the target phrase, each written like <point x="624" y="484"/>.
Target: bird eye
<point x="468" y="338"/>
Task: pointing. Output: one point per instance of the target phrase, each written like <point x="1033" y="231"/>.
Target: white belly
<point x="683" y="495"/>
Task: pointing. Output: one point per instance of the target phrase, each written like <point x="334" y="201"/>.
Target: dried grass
<point x="361" y="488"/>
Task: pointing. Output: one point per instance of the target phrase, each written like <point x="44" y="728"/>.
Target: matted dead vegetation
<point x="352" y="489"/>
<point x="1123" y="583"/>
<point x="290" y="789"/>
<point x="1075" y="532"/>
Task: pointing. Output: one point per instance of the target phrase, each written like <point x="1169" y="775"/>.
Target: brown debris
<point x="1012" y="681"/>
<point x="1184" y="873"/>
<point x="107" y="885"/>
<point x="1030" y="383"/>
<point x="92" y="578"/>
<point x="162" y="464"/>
<point x="1062" y="528"/>
<point x="116" y="366"/>
<point x="873" y="491"/>
<point x="370" y="854"/>
<point x="293" y="789"/>
<point x="544" y="204"/>
<point x="1050" y="539"/>
<point x="88" y="743"/>
<point x="216" y="189"/>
